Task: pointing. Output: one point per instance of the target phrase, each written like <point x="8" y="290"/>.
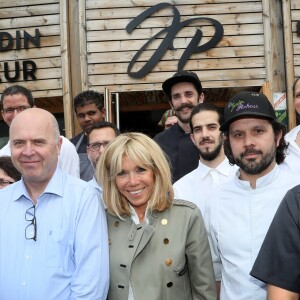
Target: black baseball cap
<point x="182" y="76"/>
<point x="246" y="104"/>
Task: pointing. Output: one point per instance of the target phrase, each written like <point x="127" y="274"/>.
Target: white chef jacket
<point x="239" y="217"/>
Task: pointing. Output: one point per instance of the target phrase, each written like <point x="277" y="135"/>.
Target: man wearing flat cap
<point x="184" y="91"/>
<point x="241" y="210"/>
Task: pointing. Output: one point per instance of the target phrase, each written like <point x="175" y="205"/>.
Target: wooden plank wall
<point x="29" y="15"/>
<point x="52" y="87"/>
<point x="295" y="14"/>
<point x="237" y="61"/>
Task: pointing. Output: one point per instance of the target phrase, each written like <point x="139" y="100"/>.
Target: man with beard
<point x="89" y="109"/>
<point x="184" y="91"/>
<point x="241" y="210"/>
<point x="213" y="168"/>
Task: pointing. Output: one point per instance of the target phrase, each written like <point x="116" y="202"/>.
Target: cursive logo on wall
<point x="167" y="43"/>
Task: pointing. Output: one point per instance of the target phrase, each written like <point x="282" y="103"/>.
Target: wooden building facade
<point x="126" y="49"/>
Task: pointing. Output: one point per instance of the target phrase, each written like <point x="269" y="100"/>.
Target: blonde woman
<point x="158" y="245"/>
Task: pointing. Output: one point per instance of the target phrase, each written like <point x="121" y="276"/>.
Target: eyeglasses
<point x="97" y="145"/>
<point x="11" y="110"/>
<point x="30" y="230"/>
<point x="5" y="182"/>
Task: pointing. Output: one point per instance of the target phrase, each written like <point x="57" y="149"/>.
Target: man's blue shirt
<point x="69" y="259"/>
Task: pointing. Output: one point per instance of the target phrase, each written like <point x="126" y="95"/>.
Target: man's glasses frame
<point x="11" y="110"/>
<point x="30" y="217"/>
<point x="97" y="145"/>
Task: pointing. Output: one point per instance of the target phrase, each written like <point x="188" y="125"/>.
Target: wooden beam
<point x="83" y="46"/>
<point x="142" y="107"/>
<point x="75" y="57"/>
<point x="66" y="72"/>
<point x="274" y="45"/>
<point x="289" y="62"/>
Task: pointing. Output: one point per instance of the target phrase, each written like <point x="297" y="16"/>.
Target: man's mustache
<point x="250" y="151"/>
<point x="183" y="106"/>
<point x="205" y="140"/>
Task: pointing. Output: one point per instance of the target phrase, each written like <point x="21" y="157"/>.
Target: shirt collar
<point x="222" y="168"/>
<point x="135" y="217"/>
<point x="55" y="186"/>
<point x="95" y="184"/>
<point x="261" y="182"/>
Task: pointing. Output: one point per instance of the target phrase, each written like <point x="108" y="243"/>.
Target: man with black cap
<point x="184" y="91"/>
<point x="241" y="210"/>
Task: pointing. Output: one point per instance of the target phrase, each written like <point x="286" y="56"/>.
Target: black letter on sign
<point x="6" y="71"/>
<point x="29" y="71"/>
<point x="167" y="42"/>
<point x="34" y="40"/>
<point x="298" y="28"/>
<point x="7" y="36"/>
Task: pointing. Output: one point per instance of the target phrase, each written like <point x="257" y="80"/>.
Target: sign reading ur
<point x="170" y="33"/>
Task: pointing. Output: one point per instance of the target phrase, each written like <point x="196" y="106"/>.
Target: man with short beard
<point x="184" y="91"/>
<point x="213" y="168"/>
<point x="241" y="210"/>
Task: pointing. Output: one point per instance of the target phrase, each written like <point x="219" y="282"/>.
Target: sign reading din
<point x="12" y="69"/>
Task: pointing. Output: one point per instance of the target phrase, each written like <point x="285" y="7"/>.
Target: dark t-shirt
<point x="278" y="262"/>
<point x="182" y="153"/>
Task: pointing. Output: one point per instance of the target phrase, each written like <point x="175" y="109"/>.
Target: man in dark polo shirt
<point x="184" y="91"/>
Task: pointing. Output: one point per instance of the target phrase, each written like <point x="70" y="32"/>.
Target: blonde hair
<point x="144" y="152"/>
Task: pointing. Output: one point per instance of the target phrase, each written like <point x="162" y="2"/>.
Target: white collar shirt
<point x="292" y="159"/>
<point x="94" y="184"/>
<point x="69" y="259"/>
<point x="239" y="218"/>
<point x="197" y="186"/>
<point x="5" y="150"/>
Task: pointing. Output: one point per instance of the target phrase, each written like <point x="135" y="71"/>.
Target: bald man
<point x="53" y="235"/>
<point x="17" y="98"/>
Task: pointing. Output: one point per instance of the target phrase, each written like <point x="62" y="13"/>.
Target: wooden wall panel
<point x="51" y="88"/>
<point x="30" y="15"/>
<point x="295" y="17"/>
<point x="238" y="60"/>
